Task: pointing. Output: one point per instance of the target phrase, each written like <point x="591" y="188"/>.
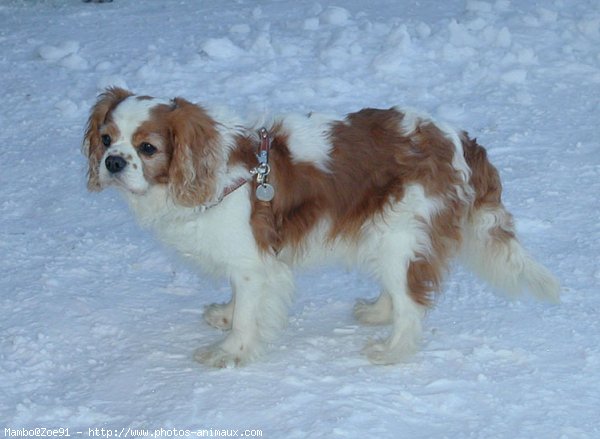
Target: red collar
<point x="232" y="187"/>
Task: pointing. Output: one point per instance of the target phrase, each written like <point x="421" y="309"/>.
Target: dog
<point x="389" y="191"/>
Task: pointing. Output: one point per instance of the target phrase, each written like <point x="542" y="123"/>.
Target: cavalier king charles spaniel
<point x="389" y="191"/>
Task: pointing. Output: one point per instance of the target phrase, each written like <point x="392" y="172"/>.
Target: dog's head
<point x="135" y="142"/>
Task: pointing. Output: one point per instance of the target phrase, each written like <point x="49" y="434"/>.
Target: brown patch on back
<point x="365" y="168"/>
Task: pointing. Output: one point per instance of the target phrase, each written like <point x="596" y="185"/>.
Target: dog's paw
<point x="372" y="313"/>
<point x="218" y="357"/>
<point x="219" y="315"/>
<point x="384" y="352"/>
<point x="236" y="350"/>
<point x="380" y="353"/>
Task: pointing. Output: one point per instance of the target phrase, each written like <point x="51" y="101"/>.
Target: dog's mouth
<point x="119" y="182"/>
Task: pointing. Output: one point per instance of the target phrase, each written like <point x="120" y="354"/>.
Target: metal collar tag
<point x="264" y="191"/>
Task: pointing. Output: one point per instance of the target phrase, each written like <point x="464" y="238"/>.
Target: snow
<point x="221" y="48"/>
<point x="335" y="15"/>
<point x="98" y="321"/>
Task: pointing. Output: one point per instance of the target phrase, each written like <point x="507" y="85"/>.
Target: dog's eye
<point x="106" y="140"/>
<point x="147" y="149"/>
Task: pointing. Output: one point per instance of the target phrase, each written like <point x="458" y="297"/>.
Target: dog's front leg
<point x="260" y="303"/>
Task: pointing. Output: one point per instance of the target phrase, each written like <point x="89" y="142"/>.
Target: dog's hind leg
<point x="408" y="268"/>
<point x="406" y="332"/>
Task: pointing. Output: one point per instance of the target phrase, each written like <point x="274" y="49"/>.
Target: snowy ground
<point x="98" y="322"/>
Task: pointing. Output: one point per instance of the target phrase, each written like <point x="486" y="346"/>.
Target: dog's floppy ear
<point x="197" y="156"/>
<point x="92" y="146"/>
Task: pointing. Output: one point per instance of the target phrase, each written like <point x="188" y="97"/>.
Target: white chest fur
<point x="217" y="239"/>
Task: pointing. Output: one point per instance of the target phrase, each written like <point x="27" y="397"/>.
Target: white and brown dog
<point x="389" y="191"/>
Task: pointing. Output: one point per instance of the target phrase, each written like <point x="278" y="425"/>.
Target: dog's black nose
<point x="115" y="163"/>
